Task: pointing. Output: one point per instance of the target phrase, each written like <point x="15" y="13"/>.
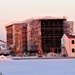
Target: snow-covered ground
<point x="38" y="67"/>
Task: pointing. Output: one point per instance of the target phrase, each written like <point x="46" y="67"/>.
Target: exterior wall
<point x="19" y="33"/>
<point x="68" y="27"/>
<point x="34" y="36"/>
<point x="65" y="45"/>
<point x="24" y="37"/>
<point x="72" y="46"/>
<point x="20" y="36"/>
<point x="17" y="36"/>
<point x="9" y="33"/>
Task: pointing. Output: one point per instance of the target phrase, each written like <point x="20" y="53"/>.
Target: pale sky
<point x="19" y="10"/>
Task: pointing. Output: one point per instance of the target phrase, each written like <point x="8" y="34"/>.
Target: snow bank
<point x="2" y="57"/>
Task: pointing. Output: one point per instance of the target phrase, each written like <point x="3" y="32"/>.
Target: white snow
<point x="2" y="57"/>
<point x="38" y="67"/>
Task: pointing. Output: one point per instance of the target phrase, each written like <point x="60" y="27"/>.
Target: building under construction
<point x="17" y="35"/>
<point x="39" y="34"/>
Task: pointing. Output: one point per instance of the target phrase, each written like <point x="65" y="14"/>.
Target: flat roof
<point x="48" y="17"/>
<point x="13" y="23"/>
<point x="36" y="18"/>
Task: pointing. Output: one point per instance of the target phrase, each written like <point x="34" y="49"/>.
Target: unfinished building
<point x="34" y="36"/>
<point x="9" y="33"/>
<point x="50" y="32"/>
<point x="68" y="27"/>
<point x="17" y="36"/>
<point x="40" y="34"/>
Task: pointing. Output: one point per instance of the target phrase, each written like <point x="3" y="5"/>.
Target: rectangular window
<point x="72" y="41"/>
<point x="73" y="51"/>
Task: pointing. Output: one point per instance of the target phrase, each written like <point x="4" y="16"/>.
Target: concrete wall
<point x="65" y="45"/>
<point x="9" y="34"/>
<point x="68" y="27"/>
<point x="20" y="36"/>
<point x="34" y="35"/>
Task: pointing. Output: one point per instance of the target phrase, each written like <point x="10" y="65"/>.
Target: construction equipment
<point x="10" y="47"/>
<point x="4" y="42"/>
